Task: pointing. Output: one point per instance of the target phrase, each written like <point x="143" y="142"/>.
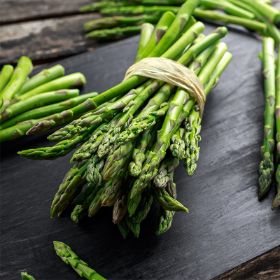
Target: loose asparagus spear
<point x="227" y="7"/>
<point x="26" y="276"/>
<point x="37" y="101"/>
<point x="42" y="77"/>
<point x="70" y="81"/>
<point x="70" y="258"/>
<point x="147" y="30"/>
<point x="24" y="67"/>
<point x="266" y="167"/>
<point x="48" y="110"/>
<point x="113" y="33"/>
<point x="5" y="76"/>
<point x="137" y="10"/>
<point x="276" y="201"/>
<point x="119" y="21"/>
<point x="228" y="19"/>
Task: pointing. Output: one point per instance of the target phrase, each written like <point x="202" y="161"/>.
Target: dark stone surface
<point x="226" y="225"/>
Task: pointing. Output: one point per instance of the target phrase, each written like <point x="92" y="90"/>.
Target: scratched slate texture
<point x="226" y="225"/>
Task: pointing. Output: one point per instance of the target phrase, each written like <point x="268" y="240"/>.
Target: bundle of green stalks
<point x="270" y="163"/>
<point x="124" y="18"/>
<point x="26" y="100"/>
<point x="129" y="143"/>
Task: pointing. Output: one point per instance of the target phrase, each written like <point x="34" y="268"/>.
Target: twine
<point x="171" y="72"/>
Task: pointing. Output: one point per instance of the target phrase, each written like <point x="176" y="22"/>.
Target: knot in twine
<point x="171" y="72"/>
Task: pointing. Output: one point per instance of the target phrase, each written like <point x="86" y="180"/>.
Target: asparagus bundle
<point x="26" y="101"/>
<point x="125" y="157"/>
<point x="123" y="18"/>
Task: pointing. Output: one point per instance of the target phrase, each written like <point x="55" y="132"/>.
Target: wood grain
<point x="264" y="267"/>
<point x="45" y="39"/>
<point x="15" y="10"/>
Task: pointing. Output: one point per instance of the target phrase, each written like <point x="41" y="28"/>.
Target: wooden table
<point x="47" y="30"/>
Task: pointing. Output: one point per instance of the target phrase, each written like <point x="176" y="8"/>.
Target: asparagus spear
<point x="227" y="7"/>
<point x="228" y="19"/>
<point x="24" y="67"/>
<point x="26" y="276"/>
<point x="5" y="76"/>
<point x="178" y="144"/>
<point x="37" y="101"/>
<point x="70" y="258"/>
<point x="160" y="29"/>
<point x="165" y="172"/>
<point x="147" y="30"/>
<point x="276" y="201"/>
<point x="119" y="21"/>
<point x="266" y="167"/>
<point x="137" y="10"/>
<point x="48" y="110"/>
<point x="42" y="77"/>
<point x="269" y="12"/>
<point x="71" y="184"/>
<point x="113" y="33"/>
<point x="138" y="155"/>
<point x="69" y="81"/>
<point x="119" y="210"/>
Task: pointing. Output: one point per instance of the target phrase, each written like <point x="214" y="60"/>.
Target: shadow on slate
<point x="226" y="225"/>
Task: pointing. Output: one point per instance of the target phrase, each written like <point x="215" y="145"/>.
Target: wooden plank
<point x="45" y="39"/>
<point x="264" y="267"/>
<point x="15" y="10"/>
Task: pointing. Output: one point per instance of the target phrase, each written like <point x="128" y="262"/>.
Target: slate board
<point x="226" y="225"/>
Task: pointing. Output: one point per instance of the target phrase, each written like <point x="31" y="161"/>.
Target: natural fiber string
<point x="171" y="72"/>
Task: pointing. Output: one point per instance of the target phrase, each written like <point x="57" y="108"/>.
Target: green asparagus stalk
<point x="70" y="81"/>
<point x="269" y="12"/>
<point x="165" y="172"/>
<point x="160" y="29"/>
<point x="24" y="67"/>
<point x="137" y="10"/>
<point x="37" y="101"/>
<point x="48" y="110"/>
<point x="119" y="210"/>
<point x="58" y="150"/>
<point x="266" y="167"/>
<point x="147" y="30"/>
<point x="276" y="201"/>
<point x="177" y="146"/>
<point x="112" y="191"/>
<point x="86" y="122"/>
<point x="5" y="76"/>
<point x="113" y="33"/>
<point x="42" y="77"/>
<point x="119" y="21"/>
<point x="228" y="19"/>
<point x="96" y="6"/>
<point x="143" y="210"/>
<point x="169" y="203"/>
<point x="139" y="153"/>
<point x="70" y="258"/>
<point x="227" y="7"/>
<point x="26" y="276"/>
<point x="70" y="186"/>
